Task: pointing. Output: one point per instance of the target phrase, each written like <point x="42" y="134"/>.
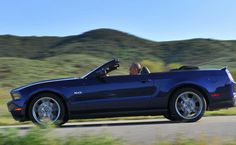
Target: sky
<point x="158" y="20"/>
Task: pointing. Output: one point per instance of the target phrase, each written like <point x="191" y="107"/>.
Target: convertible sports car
<point x="180" y="95"/>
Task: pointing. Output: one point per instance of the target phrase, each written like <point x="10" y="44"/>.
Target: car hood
<point x="44" y="82"/>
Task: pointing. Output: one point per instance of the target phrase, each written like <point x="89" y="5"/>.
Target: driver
<point x="135" y="69"/>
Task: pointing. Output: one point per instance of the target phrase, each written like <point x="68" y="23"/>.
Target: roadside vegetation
<point x="36" y="136"/>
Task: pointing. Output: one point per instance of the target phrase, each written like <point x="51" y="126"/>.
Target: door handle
<point x="111" y="94"/>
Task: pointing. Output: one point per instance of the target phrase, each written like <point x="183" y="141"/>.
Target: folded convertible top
<point x="185" y="68"/>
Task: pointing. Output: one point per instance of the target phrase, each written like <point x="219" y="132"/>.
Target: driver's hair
<point x="136" y="65"/>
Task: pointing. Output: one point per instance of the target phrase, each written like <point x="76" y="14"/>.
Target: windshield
<point x="103" y="69"/>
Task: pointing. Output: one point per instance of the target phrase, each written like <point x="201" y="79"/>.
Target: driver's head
<point x="135" y="69"/>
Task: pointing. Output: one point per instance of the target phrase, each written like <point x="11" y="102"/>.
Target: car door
<point x="115" y="93"/>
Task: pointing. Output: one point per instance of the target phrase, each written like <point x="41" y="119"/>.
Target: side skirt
<point x="85" y="115"/>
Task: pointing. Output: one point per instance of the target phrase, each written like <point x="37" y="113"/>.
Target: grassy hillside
<point x="107" y="43"/>
<point x="27" y="59"/>
<point x="19" y="71"/>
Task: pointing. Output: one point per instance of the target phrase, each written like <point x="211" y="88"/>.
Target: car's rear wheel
<point x="187" y="105"/>
<point x="169" y="116"/>
<point x="47" y="109"/>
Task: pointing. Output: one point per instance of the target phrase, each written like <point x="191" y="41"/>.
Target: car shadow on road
<point x="98" y="124"/>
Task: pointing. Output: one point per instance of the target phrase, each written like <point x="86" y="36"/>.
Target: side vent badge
<point x="78" y="93"/>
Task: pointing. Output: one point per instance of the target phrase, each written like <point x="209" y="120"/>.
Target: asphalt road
<point x="150" y="131"/>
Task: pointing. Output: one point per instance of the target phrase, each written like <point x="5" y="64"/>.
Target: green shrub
<point x="233" y="72"/>
<point x="173" y="65"/>
<point x="36" y="136"/>
<point x="154" y="66"/>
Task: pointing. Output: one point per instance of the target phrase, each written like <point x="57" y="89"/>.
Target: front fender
<point x="41" y="90"/>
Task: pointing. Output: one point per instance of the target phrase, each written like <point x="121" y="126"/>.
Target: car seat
<point x="145" y="71"/>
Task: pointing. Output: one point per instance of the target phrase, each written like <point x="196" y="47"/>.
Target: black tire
<point x="61" y="119"/>
<point x="176" y="105"/>
<point x="169" y="117"/>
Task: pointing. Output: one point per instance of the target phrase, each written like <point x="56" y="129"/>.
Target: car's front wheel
<point x="187" y="105"/>
<point x="46" y="109"/>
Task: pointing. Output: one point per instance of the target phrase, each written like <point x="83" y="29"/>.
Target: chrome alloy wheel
<point x="189" y="105"/>
<point x="46" y="110"/>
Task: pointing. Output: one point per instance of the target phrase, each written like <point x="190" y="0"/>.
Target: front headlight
<point x="15" y="96"/>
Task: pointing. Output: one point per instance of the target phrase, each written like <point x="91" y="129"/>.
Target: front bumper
<point x="18" y="115"/>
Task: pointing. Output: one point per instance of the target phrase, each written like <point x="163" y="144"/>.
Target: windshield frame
<point x="106" y="67"/>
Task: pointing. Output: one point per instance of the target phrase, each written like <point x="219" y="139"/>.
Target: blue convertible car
<point x="180" y="95"/>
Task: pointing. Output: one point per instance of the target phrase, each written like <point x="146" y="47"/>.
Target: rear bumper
<point x="18" y="115"/>
<point x="235" y="99"/>
<point x="224" y="104"/>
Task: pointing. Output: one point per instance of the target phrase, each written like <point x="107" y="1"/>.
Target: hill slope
<point x="107" y="43"/>
<point x="29" y="59"/>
